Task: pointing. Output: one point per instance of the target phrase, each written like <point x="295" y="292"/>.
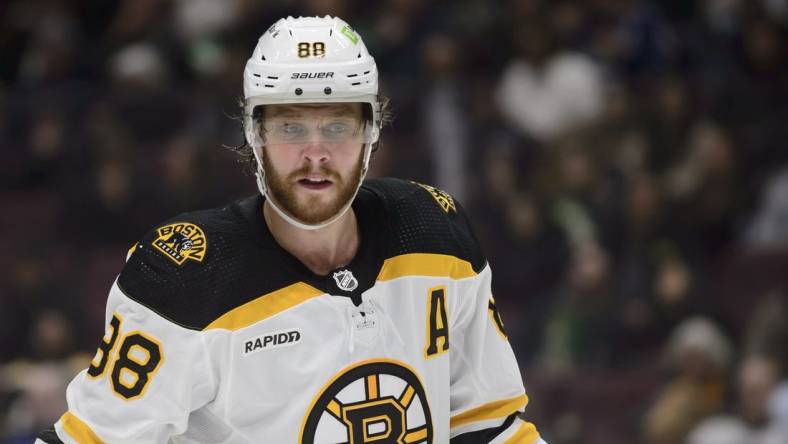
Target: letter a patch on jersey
<point x="437" y="323"/>
<point x="181" y="241"/>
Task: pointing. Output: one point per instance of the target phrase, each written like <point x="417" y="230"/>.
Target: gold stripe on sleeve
<point x="131" y="251"/>
<point x="526" y="434"/>
<point x="78" y="430"/>
<point x="425" y="264"/>
<point x="264" y="307"/>
<point x="491" y="410"/>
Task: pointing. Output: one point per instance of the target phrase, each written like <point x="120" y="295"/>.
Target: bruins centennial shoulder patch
<point x="181" y="241"/>
<point x="443" y="198"/>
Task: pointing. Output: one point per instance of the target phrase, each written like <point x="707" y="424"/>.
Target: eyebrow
<point x="338" y="110"/>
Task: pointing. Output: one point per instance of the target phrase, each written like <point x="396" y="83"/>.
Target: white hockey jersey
<point x="215" y="334"/>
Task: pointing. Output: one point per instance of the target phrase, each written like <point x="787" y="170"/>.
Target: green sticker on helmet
<point x="347" y="32"/>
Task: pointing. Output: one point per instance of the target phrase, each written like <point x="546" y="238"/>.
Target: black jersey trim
<point x="484" y="435"/>
<point x="49" y="437"/>
<point x="404" y="232"/>
<point x="492" y="410"/>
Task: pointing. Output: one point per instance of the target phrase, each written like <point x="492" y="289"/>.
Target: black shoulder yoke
<point x="197" y="266"/>
<point x="424" y="219"/>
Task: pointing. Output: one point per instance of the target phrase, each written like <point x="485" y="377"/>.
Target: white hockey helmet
<point x="309" y="60"/>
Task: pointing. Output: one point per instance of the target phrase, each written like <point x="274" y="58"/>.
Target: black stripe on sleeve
<point x="484" y="435"/>
<point x="49" y="437"/>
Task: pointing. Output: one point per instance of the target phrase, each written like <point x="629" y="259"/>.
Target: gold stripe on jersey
<point x="131" y="251"/>
<point x="264" y="307"/>
<point x="525" y="434"/>
<point x="78" y="430"/>
<point x="425" y="264"/>
<point x="491" y="410"/>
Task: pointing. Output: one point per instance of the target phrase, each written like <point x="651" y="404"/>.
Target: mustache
<point x="321" y="171"/>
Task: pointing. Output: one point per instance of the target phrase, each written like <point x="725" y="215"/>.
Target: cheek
<point x="350" y="155"/>
<point x="281" y="156"/>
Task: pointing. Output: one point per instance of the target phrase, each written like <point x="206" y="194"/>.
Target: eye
<point x="337" y="128"/>
<point x="292" y="129"/>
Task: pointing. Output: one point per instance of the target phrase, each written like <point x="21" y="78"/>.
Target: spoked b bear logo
<point x="378" y="401"/>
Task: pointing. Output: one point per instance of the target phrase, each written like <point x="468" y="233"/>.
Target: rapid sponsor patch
<point x="268" y="341"/>
<point x="181" y="241"/>
<point x="443" y="198"/>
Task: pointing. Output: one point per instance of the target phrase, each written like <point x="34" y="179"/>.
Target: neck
<point x="320" y="250"/>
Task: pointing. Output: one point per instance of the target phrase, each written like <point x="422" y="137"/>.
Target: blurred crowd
<point x="624" y="163"/>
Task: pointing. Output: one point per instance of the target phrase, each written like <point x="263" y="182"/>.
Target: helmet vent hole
<point x="298" y="91"/>
<point x="356" y="83"/>
<point x="359" y="56"/>
<point x="272" y="78"/>
<point x="366" y="72"/>
<point x="327" y="90"/>
<point x="256" y="75"/>
<point x="352" y="75"/>
<point x="262" y="56"/>
<point x="269" y="86"/>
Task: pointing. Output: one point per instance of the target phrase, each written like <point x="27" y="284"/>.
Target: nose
<point x="316" y="152"/>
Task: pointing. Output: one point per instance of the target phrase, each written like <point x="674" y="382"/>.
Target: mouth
<point x="315" y="183"/>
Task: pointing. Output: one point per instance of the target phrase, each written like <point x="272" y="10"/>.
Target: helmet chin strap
<point x="262" y="186"/>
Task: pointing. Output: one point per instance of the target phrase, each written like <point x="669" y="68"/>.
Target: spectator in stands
<point x="768" y="229"/>
<point x="578" y="328"/>
<point x="753" y="422"/>
<point x="37" y="385"/>
<point x="443" y="118"/>
<point x="547" y="90"/>
<point x="698" y="356"/>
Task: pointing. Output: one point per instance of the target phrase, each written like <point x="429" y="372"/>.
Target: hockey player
<point x="326" y="309"/>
